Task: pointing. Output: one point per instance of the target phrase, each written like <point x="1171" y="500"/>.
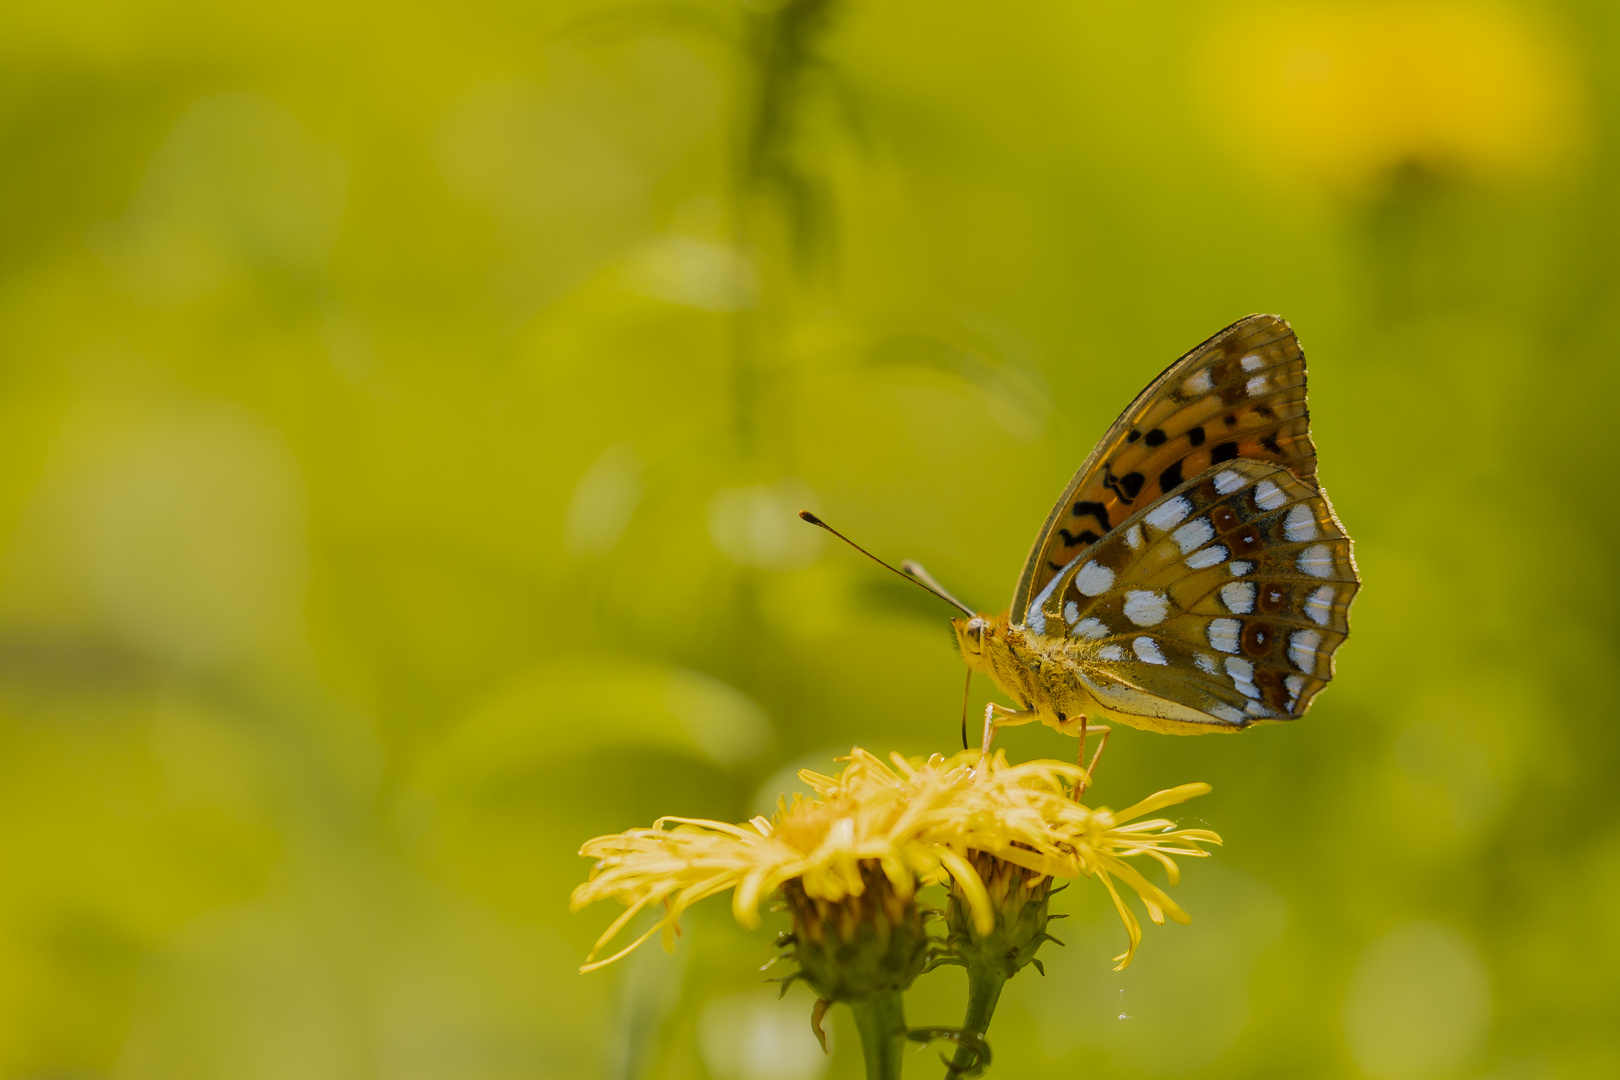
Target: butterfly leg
<point x="999" y="716"/>
<point x="1087" y="770"/>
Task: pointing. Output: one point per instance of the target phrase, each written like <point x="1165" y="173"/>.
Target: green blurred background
<point x="403" y="408"/>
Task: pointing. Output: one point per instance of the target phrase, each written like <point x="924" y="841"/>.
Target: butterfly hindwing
<point x="1219" y="603"/>
<point x="1241" y="394"/>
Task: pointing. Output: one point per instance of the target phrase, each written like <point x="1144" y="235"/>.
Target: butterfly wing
<point x="1219" y="604"/>
<point x="1241" y="394"/>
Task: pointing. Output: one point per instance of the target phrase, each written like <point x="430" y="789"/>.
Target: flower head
<point x="1026" y="815"/>
<point x="827" y="845"/>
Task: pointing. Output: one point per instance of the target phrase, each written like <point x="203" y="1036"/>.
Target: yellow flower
<point x="893" y="828"/>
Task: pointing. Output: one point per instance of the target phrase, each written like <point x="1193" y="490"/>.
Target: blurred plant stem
<point x="881" y="1020"/>
<point x="781" y="54"/>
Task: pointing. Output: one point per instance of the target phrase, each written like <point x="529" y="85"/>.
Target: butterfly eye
<point x="973" y="635"/>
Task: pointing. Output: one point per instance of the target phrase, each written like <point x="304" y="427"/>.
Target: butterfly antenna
<point x="921" y="579"/>
<point x="914" y="570"/>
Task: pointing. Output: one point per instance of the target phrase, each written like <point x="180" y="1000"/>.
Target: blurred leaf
<point x="541" y="717"/>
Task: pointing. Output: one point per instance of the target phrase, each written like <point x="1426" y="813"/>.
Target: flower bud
<point x="1018" y="898"/>
<point x="864" y="944"/>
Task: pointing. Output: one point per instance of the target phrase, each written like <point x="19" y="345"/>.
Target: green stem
<point x="984" y="990"/>
<point x="881" y="1019"/>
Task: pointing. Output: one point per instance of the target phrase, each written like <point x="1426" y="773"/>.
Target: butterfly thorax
<point x="1040" y="673"/>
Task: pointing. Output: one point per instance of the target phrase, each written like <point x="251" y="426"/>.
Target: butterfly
<point x="1193" y="576"/>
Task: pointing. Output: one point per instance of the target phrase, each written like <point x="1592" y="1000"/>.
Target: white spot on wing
<point x="1316" y="560"/>
<point x="1090" y="628"/>
<point x="1071" y="612"/>
<point x="1223" y="634"/>
<point x="1238" y="596"/>
<point x="1210" y="556"/>
<point x="1319" y="608"/>
<point x="1256" y="386"/>
<point x="1035" y="616"/>
<point x="1147" y="650"/>
<point x="1111" y="652"/>
<point x="1094" y="579"/>
<point x="1259" y="711"/>
<point x="1145" y="608"/>
<point x="1295" y="686"/>
<point x="1227" y="481"/>
<point x="1195" y="534"/>
<point x="1227" y="713"/>
<point x="1133" y="537"/>
<point x="1242" y="673"/>
<point x="1199" y="383"/>
<point x="1300" y="524"/>
<point x="1251" y="362"/>
<point x="1168" y="514"/>
<point x="1302" y="649"/>
<point x="1205" y="662"/>
<point x="1242" y="568"/>
<point x="1268" y="496"/>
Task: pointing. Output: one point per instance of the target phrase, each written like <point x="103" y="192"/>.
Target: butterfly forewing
<point x="1241" y="394"/>
<point x="1221" y="602"/>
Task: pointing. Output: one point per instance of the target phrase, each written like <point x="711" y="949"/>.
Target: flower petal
<point x="1161" y="799"/>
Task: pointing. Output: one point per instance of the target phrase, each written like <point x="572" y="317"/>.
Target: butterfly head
<point x="978" y="636"/>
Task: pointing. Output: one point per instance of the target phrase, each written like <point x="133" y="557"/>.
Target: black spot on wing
<point x="1226" y="451"/>
<point x="1155" y="437"/>
<point x="1096" y="510"/>
<point x="1085" y="536"/>
<point x="1170" y="478"/>
<point x="1196" y="436"/>
<point x="1127" y="487"/>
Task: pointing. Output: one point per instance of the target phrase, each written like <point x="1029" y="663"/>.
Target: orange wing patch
<point x="1239" y="395"/>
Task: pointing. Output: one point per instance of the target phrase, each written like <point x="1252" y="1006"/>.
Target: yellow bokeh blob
<point x="1343" y="94"/>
